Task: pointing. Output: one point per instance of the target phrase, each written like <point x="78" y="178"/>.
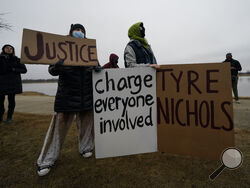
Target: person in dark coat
<point x="74" y="97"/>
<point x="113" y="61"/>
<point x="10" y="79"/>
<point x="235" y="67"/>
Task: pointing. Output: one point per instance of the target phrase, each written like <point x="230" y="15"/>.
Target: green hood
<point x="135" y="34"/>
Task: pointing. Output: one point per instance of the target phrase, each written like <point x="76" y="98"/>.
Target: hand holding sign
<point x="59" y="63"/>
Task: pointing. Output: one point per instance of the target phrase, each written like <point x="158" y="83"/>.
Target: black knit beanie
<point x="8" y="45"/>
<point x="76" y="26"/>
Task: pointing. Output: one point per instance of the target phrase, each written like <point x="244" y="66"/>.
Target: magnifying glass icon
<point x="231" y="158"/>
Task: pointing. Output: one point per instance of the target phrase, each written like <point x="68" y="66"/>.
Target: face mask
<point x="78" y="34"/>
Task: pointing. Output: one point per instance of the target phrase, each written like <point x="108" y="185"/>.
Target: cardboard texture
<point x="124" y="112"/>
<point x="45" y="48"/>
<point x="195" y="110"/>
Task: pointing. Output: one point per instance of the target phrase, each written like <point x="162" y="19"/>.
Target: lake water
<point x="244" y="86"/>
<point x="50" y="88"/>
<point x="45" y="88"/>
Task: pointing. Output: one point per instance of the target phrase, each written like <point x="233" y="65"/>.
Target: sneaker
<point x="87" y="154"/>
<point x="43" y="171"/>
<point x="237" y="101"/>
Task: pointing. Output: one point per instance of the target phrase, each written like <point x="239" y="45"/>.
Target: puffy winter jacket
<point x="74" y="92"/>
<point x="10" y="70"/>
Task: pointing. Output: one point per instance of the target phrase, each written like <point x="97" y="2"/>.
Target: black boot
<point x="9" y="117"/>
<point x="1" y="115"/>
<point x="11" y="107"/>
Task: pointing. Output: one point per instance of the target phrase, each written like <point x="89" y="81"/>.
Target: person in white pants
<point x="74" y="98"/>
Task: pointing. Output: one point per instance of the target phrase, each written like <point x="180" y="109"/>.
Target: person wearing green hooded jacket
<point x="138" y="52"/>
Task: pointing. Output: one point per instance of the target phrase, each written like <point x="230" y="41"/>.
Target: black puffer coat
<point x="74" y="92"/>
<point x="10" y="79"/>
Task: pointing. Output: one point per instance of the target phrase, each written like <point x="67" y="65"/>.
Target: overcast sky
<point x="179" y="31"/>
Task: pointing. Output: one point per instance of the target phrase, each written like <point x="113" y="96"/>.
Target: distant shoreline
<point x="39" y="81"/>
<point x="244" y="74"/>
<point x="34" y="93"/>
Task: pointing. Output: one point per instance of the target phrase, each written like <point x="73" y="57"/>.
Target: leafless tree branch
<point x="4" y="25"/>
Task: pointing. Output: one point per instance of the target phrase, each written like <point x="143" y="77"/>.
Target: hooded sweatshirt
<point x="113" y="60"/>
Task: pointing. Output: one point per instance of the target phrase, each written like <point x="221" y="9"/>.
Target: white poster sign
<point x="125" y="111"/>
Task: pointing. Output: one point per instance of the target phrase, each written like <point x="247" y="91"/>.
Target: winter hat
<point x="6" y="46"/>
<point x="76" y="26"/>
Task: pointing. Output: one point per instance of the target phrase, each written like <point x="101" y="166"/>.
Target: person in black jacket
<point x="235" y="67"/>
<point x="74" y="97"/>
<point x="10" y="79"/>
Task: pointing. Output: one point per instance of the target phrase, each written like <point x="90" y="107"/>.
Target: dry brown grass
<point x="21" y="142"/>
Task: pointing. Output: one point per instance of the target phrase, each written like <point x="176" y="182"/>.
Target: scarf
<point x="135" y="34"/>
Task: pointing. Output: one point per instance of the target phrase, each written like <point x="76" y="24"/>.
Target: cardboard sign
<point x="45" y="48"/>
<point x="125" y="112"/>
<point x="194" y="109"/>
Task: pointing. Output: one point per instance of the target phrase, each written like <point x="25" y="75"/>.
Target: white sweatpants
<point x="57" y="132"/>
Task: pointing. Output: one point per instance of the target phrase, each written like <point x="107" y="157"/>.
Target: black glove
<point x="10" y="69"/>
<point x="98" y="69"/>
<point x="59" y="63"/>
<point x="233" y="78"/>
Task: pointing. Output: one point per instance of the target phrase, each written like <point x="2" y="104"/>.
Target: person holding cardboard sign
<point x="73" y="98"/>
<point x="138" y="52"/>
<point x="10" y="79"/>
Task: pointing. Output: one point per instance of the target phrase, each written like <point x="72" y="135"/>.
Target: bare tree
<point x="4" y="25"/>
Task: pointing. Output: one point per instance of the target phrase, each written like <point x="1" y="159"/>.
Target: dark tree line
<point x="40" y="80"/>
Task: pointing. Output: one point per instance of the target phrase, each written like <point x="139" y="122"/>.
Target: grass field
<point x="21" y="142"/>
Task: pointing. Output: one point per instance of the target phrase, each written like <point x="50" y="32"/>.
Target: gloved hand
<point x="10" y="69"/>
<point x="59" y="63"/>
<point x="98" y="69"/>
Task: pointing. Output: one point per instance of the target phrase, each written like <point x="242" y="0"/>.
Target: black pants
<point x="11" y="107"/>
